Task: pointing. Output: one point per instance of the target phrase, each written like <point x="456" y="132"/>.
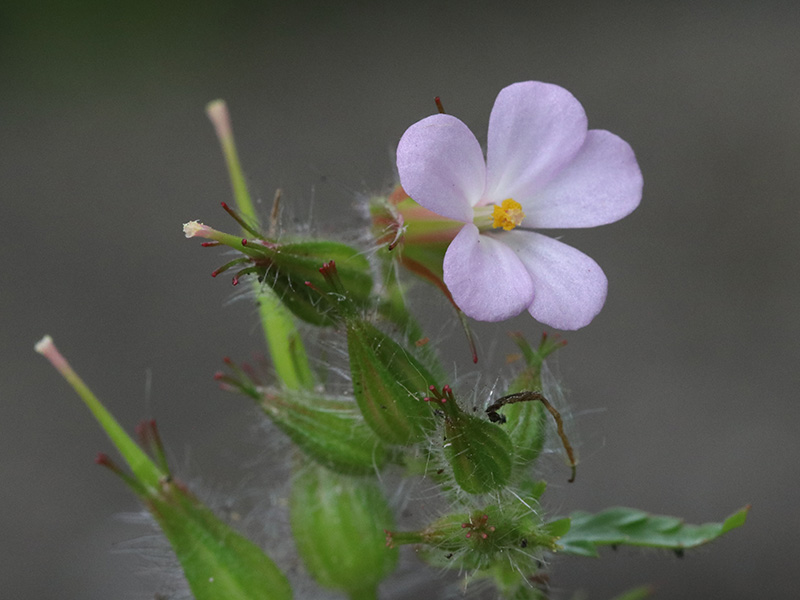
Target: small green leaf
<point x="628" y="526"/>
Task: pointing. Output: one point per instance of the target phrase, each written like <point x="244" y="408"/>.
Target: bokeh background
<point x="684" y="389"/>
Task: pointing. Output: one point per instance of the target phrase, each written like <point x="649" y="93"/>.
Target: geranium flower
<point x="543" y="169"/>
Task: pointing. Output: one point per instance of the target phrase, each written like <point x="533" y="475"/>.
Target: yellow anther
<point x="508" y="215"/>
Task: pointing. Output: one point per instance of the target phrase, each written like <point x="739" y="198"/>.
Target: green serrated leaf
<point x="631" y="527"/>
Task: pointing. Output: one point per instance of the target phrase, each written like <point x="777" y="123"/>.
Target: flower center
<point x="508" y="215"/>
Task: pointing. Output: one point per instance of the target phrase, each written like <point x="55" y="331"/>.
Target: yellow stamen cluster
<point x="508" y="215"/>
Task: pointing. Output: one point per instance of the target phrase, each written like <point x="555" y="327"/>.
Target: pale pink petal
<point x="569" y="287"/>
<point x="535" y="129"/>
<point x="600" y="185"/>
<point x="441" y="166"/>
<point x="485" y="277"/>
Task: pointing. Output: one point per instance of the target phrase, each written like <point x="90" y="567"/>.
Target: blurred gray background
<point x="684" y="389"/>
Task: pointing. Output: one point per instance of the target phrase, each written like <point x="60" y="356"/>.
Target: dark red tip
<point x="439" y="105"/>
<point x="104" y="460"/>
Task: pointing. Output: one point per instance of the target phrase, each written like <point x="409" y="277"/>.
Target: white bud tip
<point x="44" y="345"/>
<point x="217" y="112"/>
<point x="192" y="228"/>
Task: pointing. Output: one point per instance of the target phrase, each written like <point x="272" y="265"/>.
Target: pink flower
<point x="543" y="169"/>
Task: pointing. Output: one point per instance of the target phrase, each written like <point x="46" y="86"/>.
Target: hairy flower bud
<point x="338" y="524"/>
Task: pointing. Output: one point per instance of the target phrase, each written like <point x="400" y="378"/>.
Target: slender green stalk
<point x="141" y="465"/>
<point x="284" y="343"/>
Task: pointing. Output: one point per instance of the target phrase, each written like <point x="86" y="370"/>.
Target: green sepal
<point x="631" y="527"/>
<point x="292" y="271"/>
<point x="479" y="452"/>
<point x="419" y="237"/>
<point x="338" y="523"/>
<point x="217" y="561"/>
<point x="329" y="430"/>
<point x="389" y="385"/>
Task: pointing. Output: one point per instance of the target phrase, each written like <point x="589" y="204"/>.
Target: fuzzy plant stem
<point x="284" y="343"/>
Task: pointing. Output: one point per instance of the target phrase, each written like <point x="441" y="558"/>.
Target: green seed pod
<point x="479" y="453"/>
<point x="329" y="430"/>
<point x="389" y="385"/>
<point x="338" y="524"/>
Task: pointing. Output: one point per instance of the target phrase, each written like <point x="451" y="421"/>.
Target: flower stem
<point x="284" y="343"/>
